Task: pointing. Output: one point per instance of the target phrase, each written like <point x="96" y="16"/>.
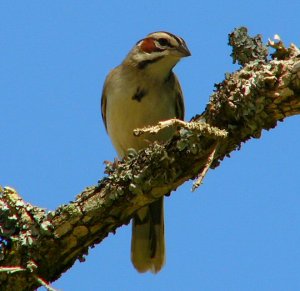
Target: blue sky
<point x="240" y="230"/>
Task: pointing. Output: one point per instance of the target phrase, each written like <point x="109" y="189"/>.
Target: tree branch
<point x="252" y="99"/>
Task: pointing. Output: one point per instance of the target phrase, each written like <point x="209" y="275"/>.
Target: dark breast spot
<point x="139" y="94"/>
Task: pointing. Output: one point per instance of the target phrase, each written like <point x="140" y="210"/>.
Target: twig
<point x="206" y="168"/>
<point x="11" y="270"/>
<point x="45" y="284"/>
<point x="156" y="128"/>
<point x="198" y="126"/>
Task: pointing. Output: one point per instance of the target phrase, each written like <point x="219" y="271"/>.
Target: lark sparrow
<point x="142" y="91"/>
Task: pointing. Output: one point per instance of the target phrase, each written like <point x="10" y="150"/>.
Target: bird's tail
<point x="148" y="238"/>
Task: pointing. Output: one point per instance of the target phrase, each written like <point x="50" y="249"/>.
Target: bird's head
<point x="158" y="52"/>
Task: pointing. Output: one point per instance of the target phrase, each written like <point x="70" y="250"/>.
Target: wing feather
<point x="179" y="99"/>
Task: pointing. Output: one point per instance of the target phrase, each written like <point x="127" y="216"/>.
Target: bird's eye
<point x="163" y="41"/>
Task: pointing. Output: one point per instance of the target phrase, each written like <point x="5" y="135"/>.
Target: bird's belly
<point x="127" y="115"/>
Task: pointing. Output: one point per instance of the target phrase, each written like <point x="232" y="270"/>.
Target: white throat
<point x="162" y="68"/>
<point x="156" y="65"/>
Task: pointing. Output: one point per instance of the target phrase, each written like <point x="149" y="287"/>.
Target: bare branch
<point x="206" y="167"/>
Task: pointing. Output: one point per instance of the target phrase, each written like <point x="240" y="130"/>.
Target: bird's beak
<point x="184" y="51"/>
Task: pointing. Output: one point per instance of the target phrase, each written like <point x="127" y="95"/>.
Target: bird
<point x="143" y="90"/>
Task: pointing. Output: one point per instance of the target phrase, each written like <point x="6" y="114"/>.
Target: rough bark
<point x="36" y="245"/>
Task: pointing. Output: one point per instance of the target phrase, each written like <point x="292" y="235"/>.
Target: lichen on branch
<point x="257" y="96"/>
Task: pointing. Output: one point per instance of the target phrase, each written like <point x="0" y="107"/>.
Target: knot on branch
<point x="245" y="48"/>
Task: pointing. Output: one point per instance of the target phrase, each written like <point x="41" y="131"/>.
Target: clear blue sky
<point x="240" y="230"/>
